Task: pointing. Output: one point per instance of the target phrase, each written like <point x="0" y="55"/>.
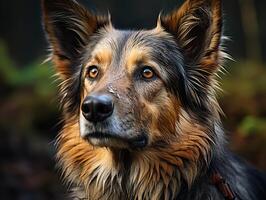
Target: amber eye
<point x="148" y="73"/>
<point x="92" y="72"/>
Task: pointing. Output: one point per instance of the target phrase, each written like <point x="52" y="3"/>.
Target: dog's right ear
<point x="69" y="27"/>
<point x="197" y="28"/>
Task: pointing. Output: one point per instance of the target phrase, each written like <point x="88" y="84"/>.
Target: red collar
<point x="223" y="186"/>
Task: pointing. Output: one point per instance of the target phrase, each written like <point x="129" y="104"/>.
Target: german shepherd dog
<point x="141" y="120"/>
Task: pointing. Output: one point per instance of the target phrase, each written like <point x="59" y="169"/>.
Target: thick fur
<point x="176" y="111"/>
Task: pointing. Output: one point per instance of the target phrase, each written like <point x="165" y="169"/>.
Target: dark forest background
<point x="29" y="110"/>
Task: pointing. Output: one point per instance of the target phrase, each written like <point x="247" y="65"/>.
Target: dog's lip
<point x="139" y="142"/>
<point x="101" y="135"/>
<point x="135" y="142"/>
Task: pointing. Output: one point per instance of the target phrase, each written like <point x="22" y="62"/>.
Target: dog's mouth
<point x="105" y="139"/>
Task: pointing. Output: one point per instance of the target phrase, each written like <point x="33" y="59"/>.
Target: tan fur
<point x="62" y="66"/>
<point x="154" y="171"/>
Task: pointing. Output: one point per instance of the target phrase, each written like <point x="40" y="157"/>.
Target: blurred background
<point x="29" y="110"/>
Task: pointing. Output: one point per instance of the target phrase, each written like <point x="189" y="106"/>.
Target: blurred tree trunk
<point x="251" y="29"/>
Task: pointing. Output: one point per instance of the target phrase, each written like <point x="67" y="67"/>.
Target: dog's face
<point x="128" y="89"/>
<point x="126" y="86"/>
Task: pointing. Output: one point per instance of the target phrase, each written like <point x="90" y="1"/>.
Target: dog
<point x="141" y="119"/>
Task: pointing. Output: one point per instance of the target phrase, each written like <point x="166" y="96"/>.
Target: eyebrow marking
<point x="103" y="55"/>
<point x="136" y="55"/>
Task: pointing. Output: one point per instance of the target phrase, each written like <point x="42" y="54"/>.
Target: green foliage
<point x="29" y="96"/>
<point x="244" y="99"/>
<point x="252" y="125"/>
<point x="36" y="75"/>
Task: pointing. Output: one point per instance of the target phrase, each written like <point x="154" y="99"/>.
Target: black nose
<point x="97" y="107"/>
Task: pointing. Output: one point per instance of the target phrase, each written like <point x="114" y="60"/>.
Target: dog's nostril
<point x="86" y="107"/>
<point x="97" y="107"/>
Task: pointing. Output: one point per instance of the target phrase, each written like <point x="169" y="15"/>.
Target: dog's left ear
<point x="69" y="27"/>
<point x="197" y="28"/>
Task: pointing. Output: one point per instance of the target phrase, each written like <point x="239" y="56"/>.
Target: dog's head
<point x="129" y="89"/>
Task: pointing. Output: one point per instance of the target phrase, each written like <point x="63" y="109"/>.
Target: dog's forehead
<point x="127" y="47"/>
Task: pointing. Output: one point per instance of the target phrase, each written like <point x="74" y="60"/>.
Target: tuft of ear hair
<point x="197" y="28"/>
<point x="69" y="27"/>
